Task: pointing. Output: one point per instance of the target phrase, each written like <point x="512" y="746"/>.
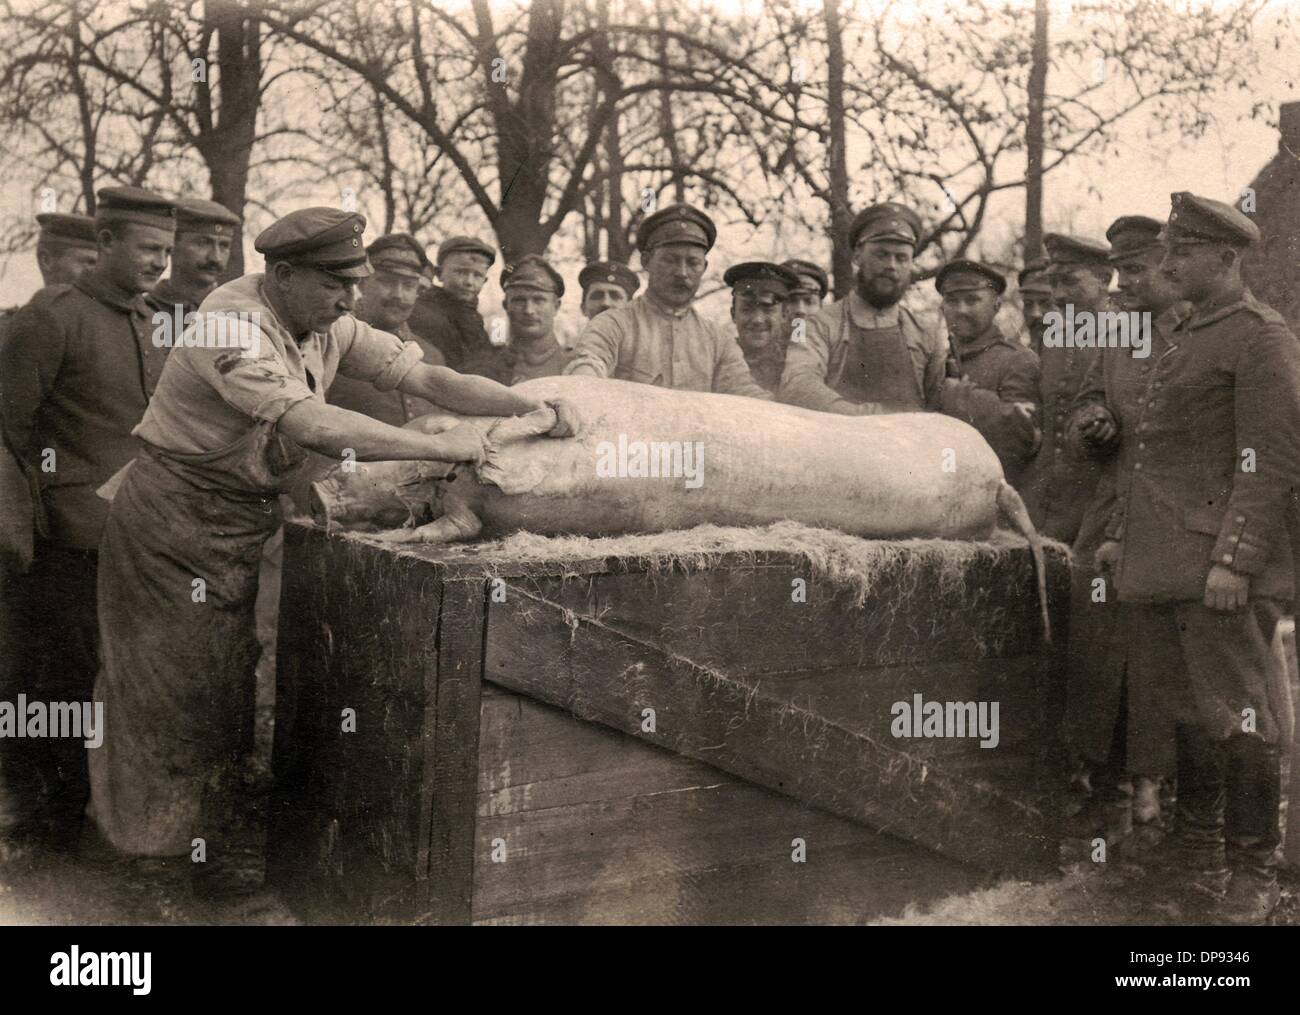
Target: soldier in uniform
<point x="77" y="370"/>
<point x="606" y="284"/>
<point x="224" y="433"/>
<point x="759" y="290"/>
<point x="992" y="381"/>
<point x="868" y="353"/>
<point x="1096" y="706"/>
<point x="533" y="290"/>
<point x="65" y="249"/>
<point x="386" y="301"/>
<point x="805" y="299"/>
<point x="659" y="338"/>
<point x="1058" y="483"/>
<point x="1198" y="544"/>
<point x="1035" y="301"/>
<point x="204" y="232"/>
<point x="447" y="316"/>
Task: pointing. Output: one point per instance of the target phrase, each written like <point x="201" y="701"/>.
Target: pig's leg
<point x="456" y="524"/>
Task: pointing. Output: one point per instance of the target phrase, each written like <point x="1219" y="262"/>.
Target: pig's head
<point x="378" y="495"/>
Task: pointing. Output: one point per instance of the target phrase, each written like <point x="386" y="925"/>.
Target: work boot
<point x="1252" y="894"/>
<point x="1192" y="867"/>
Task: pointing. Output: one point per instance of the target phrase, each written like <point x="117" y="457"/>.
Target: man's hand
<point x="1097" y="428"/>
<point x="1225" y="589"/>
<point x="462" y="443"/>
<point x="1028" y="412"/>
<point x="567" y="419"/>
<point x="1107" y="555"/>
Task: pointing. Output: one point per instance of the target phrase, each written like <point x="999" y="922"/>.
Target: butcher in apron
<point x="239" y="404"/>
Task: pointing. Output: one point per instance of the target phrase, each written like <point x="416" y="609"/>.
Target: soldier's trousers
<point x="56" y="638"/>
<point x="1228" y="797"/>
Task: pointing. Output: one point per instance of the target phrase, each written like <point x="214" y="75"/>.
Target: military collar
<point x="991" y="336"/>
<point x="97" y="286"/>
<point x="864" y="315"/>
<point x="1194" y="320"/>
<point x="665" y="311"/>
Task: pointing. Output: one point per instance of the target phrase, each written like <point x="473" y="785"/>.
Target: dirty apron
<point x="876" y="366"/>
<point x="175" y="670"/>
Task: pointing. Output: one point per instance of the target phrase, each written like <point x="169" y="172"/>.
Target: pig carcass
<point x="653" y="459"/>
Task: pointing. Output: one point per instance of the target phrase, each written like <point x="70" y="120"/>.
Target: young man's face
<point x="135" y="260"/>
<point x="464" y="274"/>
<point x="884" y="269"/>
<point x="969" y="312"/>
<point x="759" y="320"/>
<point x="600" y="296"/>
<point x="387" y="299"/>
<point x="1078" y="285"/>
<point x="1034" y="306"/>
<point x="60" y="265"/>
<point x="1192" y="268"/>
<point x="674" y="272"/>
<point x="802" y="304"/>
<point x="531" y="313"/>
<point x="1142" y="288"/>
<point x="314" y="299"/>
<point x="198" y="259"/>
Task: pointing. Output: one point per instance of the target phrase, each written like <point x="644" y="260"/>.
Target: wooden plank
<point x="682" y="843"/>
<point x="606" y="676"/>
<point x="455" y="690"/>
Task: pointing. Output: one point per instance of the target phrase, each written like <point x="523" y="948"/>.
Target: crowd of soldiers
<point x="137" y="470"/>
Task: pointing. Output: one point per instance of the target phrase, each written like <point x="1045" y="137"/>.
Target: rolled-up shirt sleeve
<point x="368" y="354"/>
<point x="596" y="351"/>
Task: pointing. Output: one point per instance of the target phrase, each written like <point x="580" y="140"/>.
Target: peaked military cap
<point x="1062" y="249"/>
<point x="1195" y="219"/>
<point x="324" y="238"/>
<point x="195" y="215"/>
<point x="963" y="275"/>
<point x="532" y="271"/>
<point x="466" y="245"/>
<point x="134" y="204"/>
<point x="678" y="223"/>
<point x="609" y="271"/>
<point x="398" y="254"/>
<point x="887" y="221"/>
<point x="761" y="278"/>
<point x="1133" y="234"/>
<point x="809" y="277"/>
<point x="66" y="230"/>
<point x="1032" y="278"/>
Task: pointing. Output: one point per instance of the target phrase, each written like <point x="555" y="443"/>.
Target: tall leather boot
<point x="1196" y="855"/>
<point x="1254" y="789"/>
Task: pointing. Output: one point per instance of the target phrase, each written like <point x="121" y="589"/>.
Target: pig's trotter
<point x="457" y="524"/>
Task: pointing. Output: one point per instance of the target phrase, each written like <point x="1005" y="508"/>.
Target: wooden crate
<point x="501" y="702"/>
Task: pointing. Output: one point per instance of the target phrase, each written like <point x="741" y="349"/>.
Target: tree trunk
<point x="1034" y="135"/>
<point x="836" y="156"/>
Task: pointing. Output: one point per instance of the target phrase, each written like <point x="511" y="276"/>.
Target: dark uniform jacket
<point x="1209" y="458"/>
<point x="993" y="372"/>
<point x="458" y="332"/>
<point x="166" y="297"/>
<point x="396" y="408"/>
<point x="77" y="369"/>
<point x="1059" y="483"/>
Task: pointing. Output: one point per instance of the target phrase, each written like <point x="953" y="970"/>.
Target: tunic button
<point x="1227" y="558"/>
<point x="1141" y="446"/>
<point x="1137" y="465"/>
<point x="1232" y="539"/>
<point x="1241" y="519"/>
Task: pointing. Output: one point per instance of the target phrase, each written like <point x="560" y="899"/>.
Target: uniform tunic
<point x="457" y="330"/>
<point x="1058" y="484"/>
<point x="767" y="365"/>
<point x="1209" y="458"/>
<point x="525" y="364"/>
<point x="1098" y="656"/>
<point x="995" y="373"/>
<point x="165" y="296"/>
<point x="649" y="343"/>
<point x="198" y="504"/>
<point x="855" y="359"/>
